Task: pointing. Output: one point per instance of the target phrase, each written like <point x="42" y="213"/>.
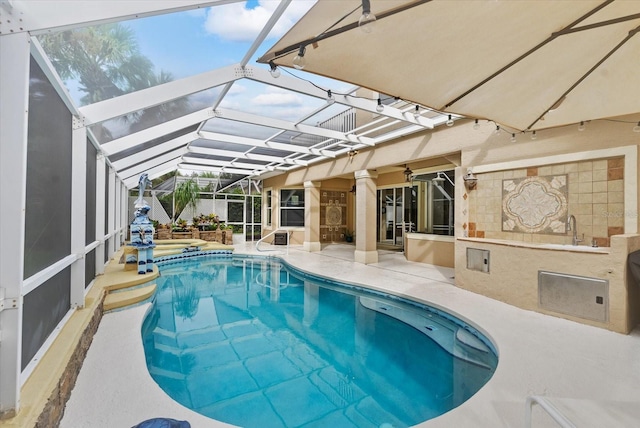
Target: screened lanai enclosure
<point x="95" y="93"/>
<point x="236" y="203"/>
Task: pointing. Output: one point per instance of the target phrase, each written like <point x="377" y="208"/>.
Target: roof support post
<point x="14" y="104"/>
<point x="100" y="217"/>
<point x="111" y="219"/>
<point x="124" y="212"/>
<point x="366" y="203"/>
<point x="311" y="216"/>
<point x="78" y="210"/>
<point x="116" y="213"/>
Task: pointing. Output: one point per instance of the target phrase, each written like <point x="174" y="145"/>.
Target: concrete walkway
<point x="589" y="374"/>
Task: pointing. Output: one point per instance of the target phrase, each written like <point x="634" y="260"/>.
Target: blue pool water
<point x="255" y="343"/>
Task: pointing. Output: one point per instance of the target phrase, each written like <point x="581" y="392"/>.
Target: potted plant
<point x="348" y="235"/>
<point x="213" y="219"/>
<point x="180" y="230"/>
<point x="228" y="235"/>
<point x="164" y="231"/>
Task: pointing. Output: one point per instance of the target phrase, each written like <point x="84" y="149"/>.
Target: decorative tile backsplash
<point x="535" y="204"/>
<point x="532" y="204"/>
<point x="333" y="219"/>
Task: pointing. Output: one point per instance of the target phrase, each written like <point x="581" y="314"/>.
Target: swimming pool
<point x="256" y="343"/>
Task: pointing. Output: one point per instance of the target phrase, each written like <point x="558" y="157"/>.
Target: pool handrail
<point x="288" y="233"/>
<point x="551" y="410"/>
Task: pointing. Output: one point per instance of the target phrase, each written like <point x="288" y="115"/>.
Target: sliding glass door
<point x="396" y="214"/>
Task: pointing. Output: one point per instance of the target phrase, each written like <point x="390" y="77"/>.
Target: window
<point x="291" y="207"/>
<point x="436" y="202"/>
<point x="268" y="208"/>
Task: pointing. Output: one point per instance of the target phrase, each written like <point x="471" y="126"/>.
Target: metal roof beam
<point x="152" y="163"/>
<point x="154" y="172"/>
<point x="157" y="131"/>
<point x="39" y="17"/>
<point x="275" y="16"/>
<point x="252" y="168"/>
<point x="214" y="169"/>
<point x="244" y="155"/>
<point x="302" y="86"/>
<point x="156" y="95"/>
<point x="239" y="116"/>
<point x="214" y="136"/>
<point x="152" y="152"/>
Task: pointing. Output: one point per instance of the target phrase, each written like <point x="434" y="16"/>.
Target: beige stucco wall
<point x="297" y="234"/>
<point x="430" y="249"/>
<point x="598" y="136"/>
<point x="514" y="267"/>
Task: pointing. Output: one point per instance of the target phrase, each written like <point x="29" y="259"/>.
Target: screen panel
<point x="48" y="192"/>
<point x="89" y="267"/>
<point x="90" y="223"/>
<point x="43" y="309"/>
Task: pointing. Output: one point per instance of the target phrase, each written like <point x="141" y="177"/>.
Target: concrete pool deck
<point x="591" y="375"/>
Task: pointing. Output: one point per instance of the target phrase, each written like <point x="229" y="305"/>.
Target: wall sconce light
<point x="352" y="154"/>
<point x="353" y="189"/>
<point x="407" y="174"/>
<point x="470" y="180"/>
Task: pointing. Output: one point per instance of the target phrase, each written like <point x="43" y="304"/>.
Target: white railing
<point x="288" y="233"/>
<point x="549" y="408"/>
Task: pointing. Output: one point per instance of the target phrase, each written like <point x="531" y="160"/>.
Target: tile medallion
<point x="333" y="215"/>
<point x="535" y="204"/>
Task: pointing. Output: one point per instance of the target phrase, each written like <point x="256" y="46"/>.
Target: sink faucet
<point x="575" y="239"/>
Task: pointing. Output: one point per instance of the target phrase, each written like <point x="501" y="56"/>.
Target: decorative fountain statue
<point x="142" y="229"/>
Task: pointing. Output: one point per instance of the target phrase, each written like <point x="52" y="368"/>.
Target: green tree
<point x="104" y="59"/>
<point x="186" y="194"/>
<point x="106" y="62"/>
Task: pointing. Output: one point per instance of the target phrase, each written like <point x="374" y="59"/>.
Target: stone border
<point x="53" y="410"/>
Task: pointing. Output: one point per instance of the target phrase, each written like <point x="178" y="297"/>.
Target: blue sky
<point x="192" y="42"/>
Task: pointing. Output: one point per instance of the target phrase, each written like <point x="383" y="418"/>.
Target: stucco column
<point x="311" y="216"/>
<point x="366" y="186"/>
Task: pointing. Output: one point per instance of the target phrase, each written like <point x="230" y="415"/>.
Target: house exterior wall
<point x="514" y="268"/>
<point x="430" y="249"/>
<point x="592" y="190"/>
<point x="600" y="169"/>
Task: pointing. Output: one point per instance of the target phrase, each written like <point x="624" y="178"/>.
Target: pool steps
<point x="121" y="299"/>
<point x="130" y="289"/>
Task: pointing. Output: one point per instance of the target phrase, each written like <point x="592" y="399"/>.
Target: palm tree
<point x="185" y="194"/>
<point x="106" y="62"/>
<point x="104" y="58"/>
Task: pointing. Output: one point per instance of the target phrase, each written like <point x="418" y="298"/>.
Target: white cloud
<point x="277" y="99"/>
<point x="235" y="22"/>
<point x="237" y="89"/>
